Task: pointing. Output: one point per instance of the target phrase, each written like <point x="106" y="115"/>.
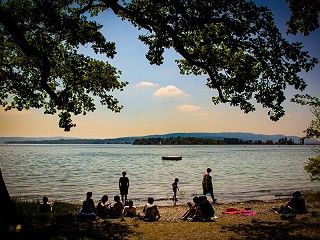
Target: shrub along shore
<point x="266" y="224"/>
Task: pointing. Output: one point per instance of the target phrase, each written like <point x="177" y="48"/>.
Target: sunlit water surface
<point x="67" y="172"/>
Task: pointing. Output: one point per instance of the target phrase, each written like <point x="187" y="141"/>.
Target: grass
<point x="62" y="224"/>
<point x="265" y="225"/>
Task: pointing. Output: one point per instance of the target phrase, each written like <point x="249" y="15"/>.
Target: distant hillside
<point x="18" y="139"/>
<point x="223" y="135"/>
<point x="128" y="140"/>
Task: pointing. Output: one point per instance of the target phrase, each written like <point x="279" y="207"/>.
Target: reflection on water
<point x="67" y="172"/>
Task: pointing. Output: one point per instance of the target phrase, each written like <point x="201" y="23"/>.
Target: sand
<point x="266" y="224"/>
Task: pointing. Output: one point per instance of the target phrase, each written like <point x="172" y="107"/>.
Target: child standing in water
<point x="123" y="187"/>
<point x="175" y="188"/>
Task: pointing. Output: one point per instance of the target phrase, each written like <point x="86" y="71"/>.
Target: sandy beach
<point x="266" y="224"/>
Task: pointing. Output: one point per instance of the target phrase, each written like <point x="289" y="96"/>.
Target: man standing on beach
<point x="207" y="185"/>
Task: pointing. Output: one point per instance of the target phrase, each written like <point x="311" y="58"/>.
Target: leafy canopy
<point x="304" y="16"/>
<point x="234" y="44"/>
<point x="40" y="64"/>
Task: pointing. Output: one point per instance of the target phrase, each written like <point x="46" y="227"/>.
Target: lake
<point x="67" y="172"/>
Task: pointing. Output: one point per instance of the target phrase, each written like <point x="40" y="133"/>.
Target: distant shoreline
<point x="163" y="141"/>
<point x="253" y="137"/>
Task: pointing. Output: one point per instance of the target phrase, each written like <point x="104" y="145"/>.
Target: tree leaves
<point x="304" y="16"/>
<point x="40" y="63"/>
<point x="233" y="43"/>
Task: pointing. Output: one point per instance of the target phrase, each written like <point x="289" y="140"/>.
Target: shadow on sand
<point x="89" y="229"/>
<point x="273" y="230"/>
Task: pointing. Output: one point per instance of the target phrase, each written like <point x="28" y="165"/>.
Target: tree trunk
<point x="8" y="211"/>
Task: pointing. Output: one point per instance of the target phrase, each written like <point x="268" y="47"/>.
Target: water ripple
<point x="67" y="172"/>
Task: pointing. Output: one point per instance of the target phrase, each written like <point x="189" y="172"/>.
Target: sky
<point x="158" y="100"/>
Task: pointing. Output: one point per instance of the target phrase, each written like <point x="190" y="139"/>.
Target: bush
<point x="313" y="168"/>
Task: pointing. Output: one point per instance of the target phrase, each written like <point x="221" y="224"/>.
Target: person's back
<point x="206" y="209"/>
<point x="124" y="186"/>
<point x="297" y="203"/>
<point x="88" y="210"/>
<point x="88" y="206"/>
<point x="129" y="211"/>
<point x="150" y="210"/>
<point x="102" y="207"/>
<point x="117" y="207"/>
<point x="45" y="210"/>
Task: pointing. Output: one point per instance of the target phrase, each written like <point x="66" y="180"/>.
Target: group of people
<point x="105" y="209"/>
<point x="200" y="210"/>
<point x="116" y="209"/>
<point x="207" y="186"/>
<point x="120" y="206"/>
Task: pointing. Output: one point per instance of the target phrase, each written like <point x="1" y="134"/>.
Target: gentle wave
<point x="67" y="172"/>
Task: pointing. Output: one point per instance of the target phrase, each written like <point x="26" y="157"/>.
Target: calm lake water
<point x="67" y="172"/>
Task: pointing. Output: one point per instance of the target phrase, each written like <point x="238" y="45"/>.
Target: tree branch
<point x="117" y="8"/>
<point x="18" y="37"/>
<point x="86" y="8"/>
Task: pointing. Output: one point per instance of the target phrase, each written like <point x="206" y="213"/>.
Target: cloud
<point x="188" y="108"/>
<point x="146" y="84"/>
<point x="169" y="91"/>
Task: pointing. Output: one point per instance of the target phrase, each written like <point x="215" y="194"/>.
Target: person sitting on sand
<point x="130" y="211"/>
<point x="193" y="208"/>
<point x="88" y="204"/>
<point x="88" y="209"/>
<point x="102" y="207"/>
<point x="206" y="209"/>
<point x="45" y="210"/>
<point x="45" y="207"/>
<point x="151" y="212"/>
<point x="296" y="205"/>
<point x="117" y="207"/>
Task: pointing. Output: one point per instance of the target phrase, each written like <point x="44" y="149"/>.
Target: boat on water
<point x="171" y="158"/>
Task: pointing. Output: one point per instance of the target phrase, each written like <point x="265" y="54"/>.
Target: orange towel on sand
<point x="238" y="211"/>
